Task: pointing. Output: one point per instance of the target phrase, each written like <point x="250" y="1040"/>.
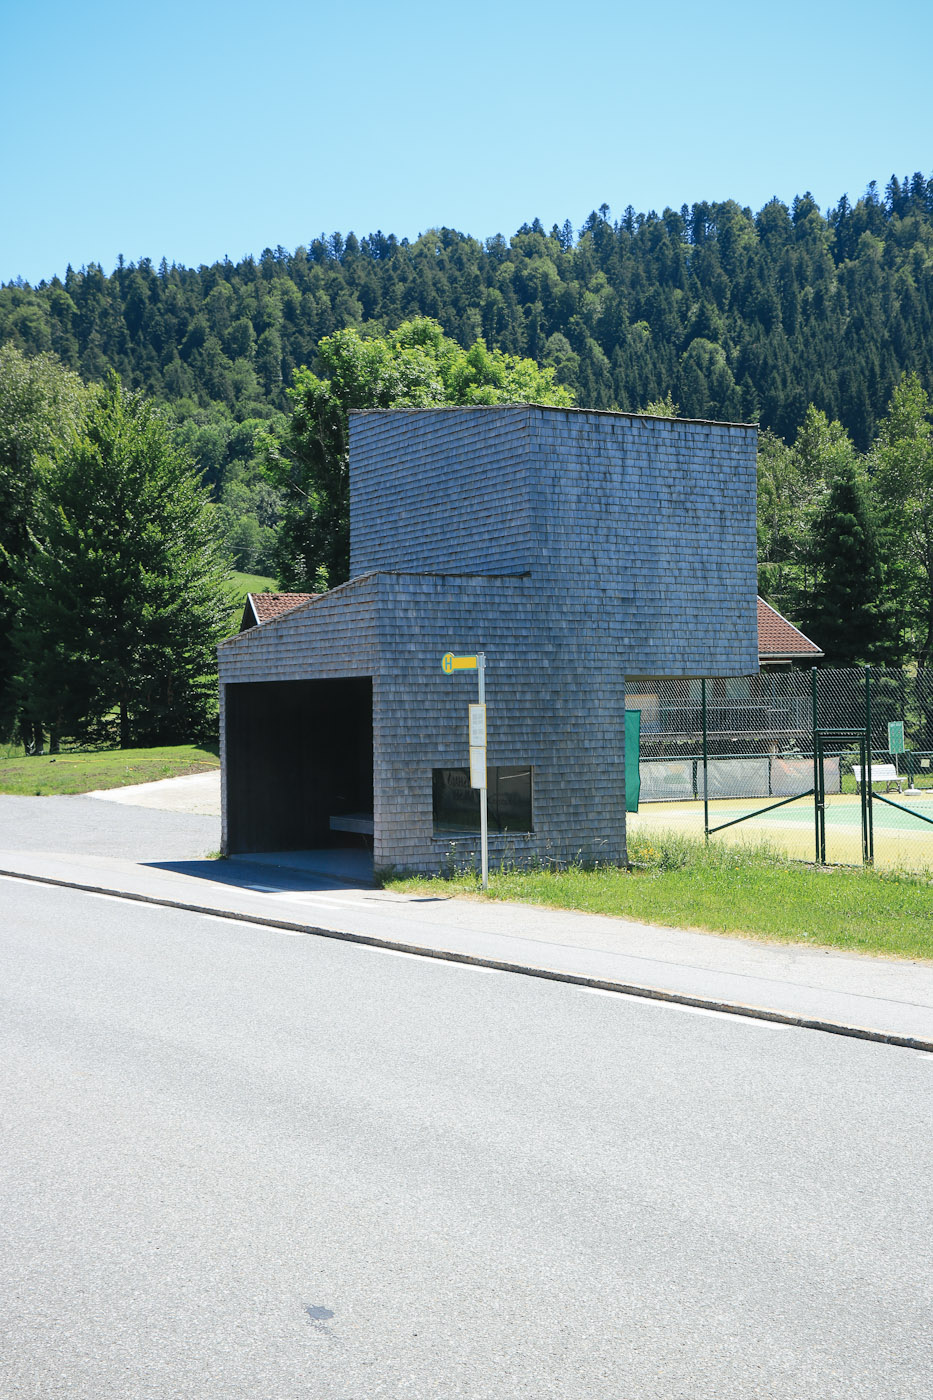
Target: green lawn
<point x="749" y="891"/>
<point x="75" y="771"/>
<point x="238" y="587"/>
<point x="241" y="584"/>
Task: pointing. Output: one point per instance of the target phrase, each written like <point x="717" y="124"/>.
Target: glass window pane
<point x="456" y="804"/>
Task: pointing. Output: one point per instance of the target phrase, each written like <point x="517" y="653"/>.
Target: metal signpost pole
<point x="705" y="765"/>
<point x="483" y="823"/>
<point x="816" y="764"/>
<point x="868" y="762"/>
<point x="476" y="724"/>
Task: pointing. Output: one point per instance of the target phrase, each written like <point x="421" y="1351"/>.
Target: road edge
<point x="634" y="989"/>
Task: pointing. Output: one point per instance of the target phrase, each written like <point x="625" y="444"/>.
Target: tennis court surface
<point x="902" y="840"/>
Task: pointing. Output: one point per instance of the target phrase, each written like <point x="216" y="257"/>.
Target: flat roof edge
<point x="554" y="408"/>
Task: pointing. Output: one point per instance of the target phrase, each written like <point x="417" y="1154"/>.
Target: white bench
<point x="880" y="773"/>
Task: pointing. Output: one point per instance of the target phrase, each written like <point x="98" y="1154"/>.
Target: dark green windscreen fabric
<point x="632" y="753"/>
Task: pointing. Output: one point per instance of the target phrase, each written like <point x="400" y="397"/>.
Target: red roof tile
<point x="779" y="638"/>
<point x="263" y="607"/>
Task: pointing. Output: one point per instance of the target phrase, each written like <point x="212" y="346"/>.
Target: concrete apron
<point x="346" y="867"/>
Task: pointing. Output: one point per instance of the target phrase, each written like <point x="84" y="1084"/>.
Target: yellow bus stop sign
<point x="451" y="663"/>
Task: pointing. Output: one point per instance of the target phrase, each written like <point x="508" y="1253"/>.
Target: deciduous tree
<point x="415" y="366"/>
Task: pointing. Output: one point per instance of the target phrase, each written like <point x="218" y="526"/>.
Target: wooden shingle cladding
<point x="571" y="547"/>
<point x="778" y="640"/>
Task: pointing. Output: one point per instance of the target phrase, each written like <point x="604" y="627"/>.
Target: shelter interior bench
<point x="356" y="823"/>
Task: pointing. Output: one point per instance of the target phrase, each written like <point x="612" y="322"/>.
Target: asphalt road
<point x="87" y="826"/>
<point x="242" y="1163"/>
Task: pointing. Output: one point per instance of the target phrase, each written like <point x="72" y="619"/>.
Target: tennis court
<point x="902" y="841"/>
<point x="753" y="742"/>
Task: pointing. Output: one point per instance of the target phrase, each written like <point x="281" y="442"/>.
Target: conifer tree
<point x="121" y="601"/>
<point x="40" y="404"/>
<point x="846" y="614"/>
<point x="903" y="463"/>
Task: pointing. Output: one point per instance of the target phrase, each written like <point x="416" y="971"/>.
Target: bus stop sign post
<point x="477" y="735"/>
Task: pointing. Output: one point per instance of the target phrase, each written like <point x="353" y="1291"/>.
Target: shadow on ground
<point x="280" y="872"/>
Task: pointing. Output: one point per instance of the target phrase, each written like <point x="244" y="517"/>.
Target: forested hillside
<point x="738" y="315"/>
<point x="817" y="325"/>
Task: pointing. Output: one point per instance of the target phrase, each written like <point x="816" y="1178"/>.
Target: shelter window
<point x="456" y="804"/>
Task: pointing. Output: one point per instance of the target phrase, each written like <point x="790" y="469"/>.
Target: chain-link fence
<point x="783" y="755"/>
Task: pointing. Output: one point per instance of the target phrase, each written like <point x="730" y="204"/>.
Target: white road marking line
<point x="111" y="898"/>
<point x="440" y="962"/>
<point x="252" y="925"/>
<point x="423" y="957"/>
<point x="692" y="1010"/>
<point x="320" y="901"/>
<point x="398" y="953"/>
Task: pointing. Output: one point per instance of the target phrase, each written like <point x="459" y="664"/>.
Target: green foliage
<point x="41" y="403"/>
<point x="414" y="366"/>
<point x="818" y="551"/>
<point x="903" y="469"/>
<point x="239" y="584"/>
<point x="847" y="609"/>
<point x="662" y="408"/>
<point x="806" y="321"/>
<point x="121" y="600"/>
<point x="735" y="314"/>
<point x="782" y="499"/>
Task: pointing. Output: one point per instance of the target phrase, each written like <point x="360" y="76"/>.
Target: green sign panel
<point x="896" y="736"/>
<point x="632" y="755"/>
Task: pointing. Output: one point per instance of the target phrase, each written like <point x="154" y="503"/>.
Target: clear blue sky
<point x="194" y="130"/>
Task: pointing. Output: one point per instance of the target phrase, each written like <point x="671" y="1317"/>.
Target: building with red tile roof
<point x="780" y="643"/>
<point x="263" y="607"/>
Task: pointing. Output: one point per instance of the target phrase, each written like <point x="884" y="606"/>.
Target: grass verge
<point x="751" y="891"/>
<point x="76" y="771"/>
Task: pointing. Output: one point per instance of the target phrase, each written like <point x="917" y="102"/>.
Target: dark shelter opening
<point x="299" y="764"/>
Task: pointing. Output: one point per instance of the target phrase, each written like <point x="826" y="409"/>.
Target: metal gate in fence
<point x="784" y="755"/>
